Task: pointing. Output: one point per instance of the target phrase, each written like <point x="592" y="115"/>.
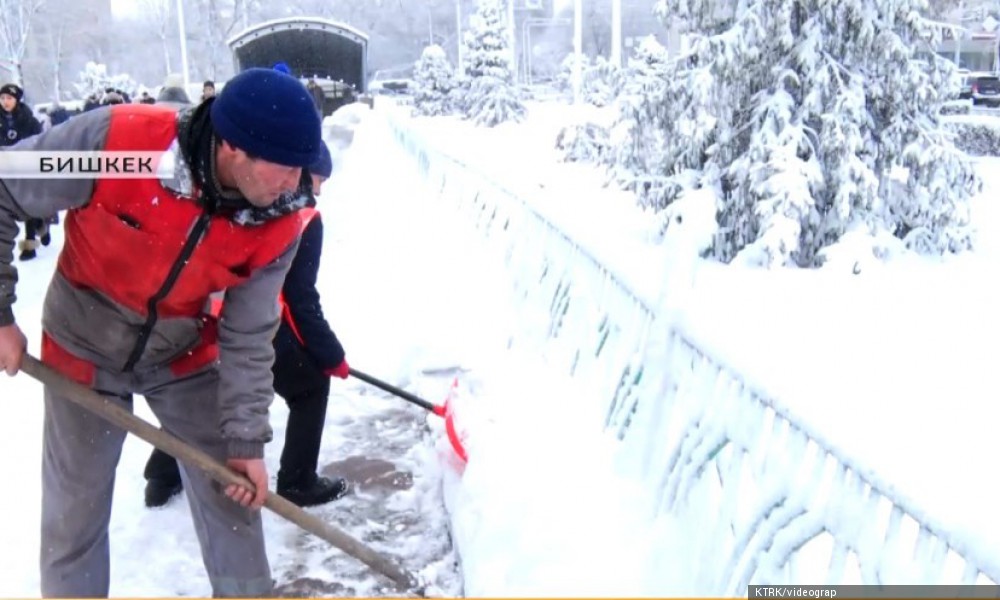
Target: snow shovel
<point x="116" y="415"/>
<point x="444" y="411"/>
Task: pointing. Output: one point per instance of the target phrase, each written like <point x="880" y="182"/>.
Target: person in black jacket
<point x="16" y="119"/>
<point x="307" y="353"/>
<point x="172" y="93"/>
<point x="17" y="122"/>
<point x="207" y="90"/>
<point x="58" y="114"/>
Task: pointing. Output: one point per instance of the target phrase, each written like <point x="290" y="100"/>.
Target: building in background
<point x="974" y="42"/>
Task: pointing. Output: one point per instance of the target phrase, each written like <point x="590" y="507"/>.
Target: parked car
<point x="393" y="81"/>
<point x="986" y="90"/>
<point x="391" y="87"/>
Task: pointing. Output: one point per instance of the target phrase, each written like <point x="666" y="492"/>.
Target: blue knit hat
<point x="323" y="167"/>
<point x="269" y="115"/>
<point x="283" y="68"/>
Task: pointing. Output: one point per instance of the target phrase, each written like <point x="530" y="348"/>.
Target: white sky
<point x="126" y="9"/>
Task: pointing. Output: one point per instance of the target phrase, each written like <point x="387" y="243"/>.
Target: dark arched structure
<point x="334" y="54"/>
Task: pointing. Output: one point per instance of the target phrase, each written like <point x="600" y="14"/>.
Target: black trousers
<point x="33" y="227"/>
<point x="306" y="390"/>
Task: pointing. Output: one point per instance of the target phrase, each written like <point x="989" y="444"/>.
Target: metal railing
<point x="757" y="496"/>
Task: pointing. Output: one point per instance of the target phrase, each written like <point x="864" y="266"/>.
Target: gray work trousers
<point x="80" y="454"/>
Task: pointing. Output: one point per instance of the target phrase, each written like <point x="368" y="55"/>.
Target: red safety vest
<point x="306" y="215"/>
<point x="125" y="241"/>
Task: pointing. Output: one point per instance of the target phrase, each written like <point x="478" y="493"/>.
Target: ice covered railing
<point x="770" y="453"/>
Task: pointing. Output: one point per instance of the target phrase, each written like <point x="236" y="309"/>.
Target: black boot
<point x="27" y="247"/>
<point x="163" y="478"/>
<point x="313" y="491"/>
<point x="159" y="492"/>
<point x="43" y="234"/>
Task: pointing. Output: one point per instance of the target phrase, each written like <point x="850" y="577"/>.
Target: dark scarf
<point x="198" y="144"/>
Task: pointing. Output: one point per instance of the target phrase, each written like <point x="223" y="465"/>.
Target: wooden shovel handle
<point x="111" y="412"/>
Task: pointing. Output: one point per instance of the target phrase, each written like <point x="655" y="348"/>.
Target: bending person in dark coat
<point x="307" y="353"/>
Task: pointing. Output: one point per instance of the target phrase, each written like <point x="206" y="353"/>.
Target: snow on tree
<point x="583" y="142"/>
<point x="94" y="79"/>
<point x="600" y="83"/>
<point x="637" y="139"/>
<point x="15" y="31"/>
<point x="564" y="76"/>
<point x="491" y="101"/>
<point x="812" y="118"/>
<point x="434" y="80"/>
<point x="490" y="97"/>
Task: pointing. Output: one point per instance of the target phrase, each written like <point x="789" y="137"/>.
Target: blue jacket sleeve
<point x="303" y="300"/>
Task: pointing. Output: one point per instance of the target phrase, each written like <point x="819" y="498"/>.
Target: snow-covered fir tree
<point x="583" y="142"/>
<point x="588" y="139"/>
<point x="810" y="119"/>
<point x="564" y="76"/>
<point x="434" y="79"/>
<point x="637" y="139"/>
<point x="94" y="79"/>
<point x="490" y="96"/>
<point x="601" y="80"/>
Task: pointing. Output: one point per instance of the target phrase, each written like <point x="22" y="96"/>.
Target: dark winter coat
<point x="18" y="125"/>
<point x="317" y="94"/>
<point x="113" y="98"/>
<point x="303" y="324"/>
<point x="58" y="115"/>
<point x="173" y="95"/>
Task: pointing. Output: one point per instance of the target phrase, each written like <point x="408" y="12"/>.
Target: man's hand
<point x="342" y="370"/>
<point x="256" y="472"/>
<point x="12" y="347"/>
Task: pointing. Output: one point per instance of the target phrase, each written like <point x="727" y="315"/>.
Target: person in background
<point x="207" y="90"/>
<point x="112" y="96"/>
<point x="42" y="115"/>
<point x="91" y="102"/>
<point x="306" y="354"/>
<point x="124" y="314"/>
<point x="58" y="114"/>
<point x="172" y="93"/>
<point x="18" y="122"/>
<point x="318" y="96"/>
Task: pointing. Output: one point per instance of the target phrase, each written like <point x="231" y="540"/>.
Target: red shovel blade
<point x="446" y="411"/>
<point x="449" y="423"/>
